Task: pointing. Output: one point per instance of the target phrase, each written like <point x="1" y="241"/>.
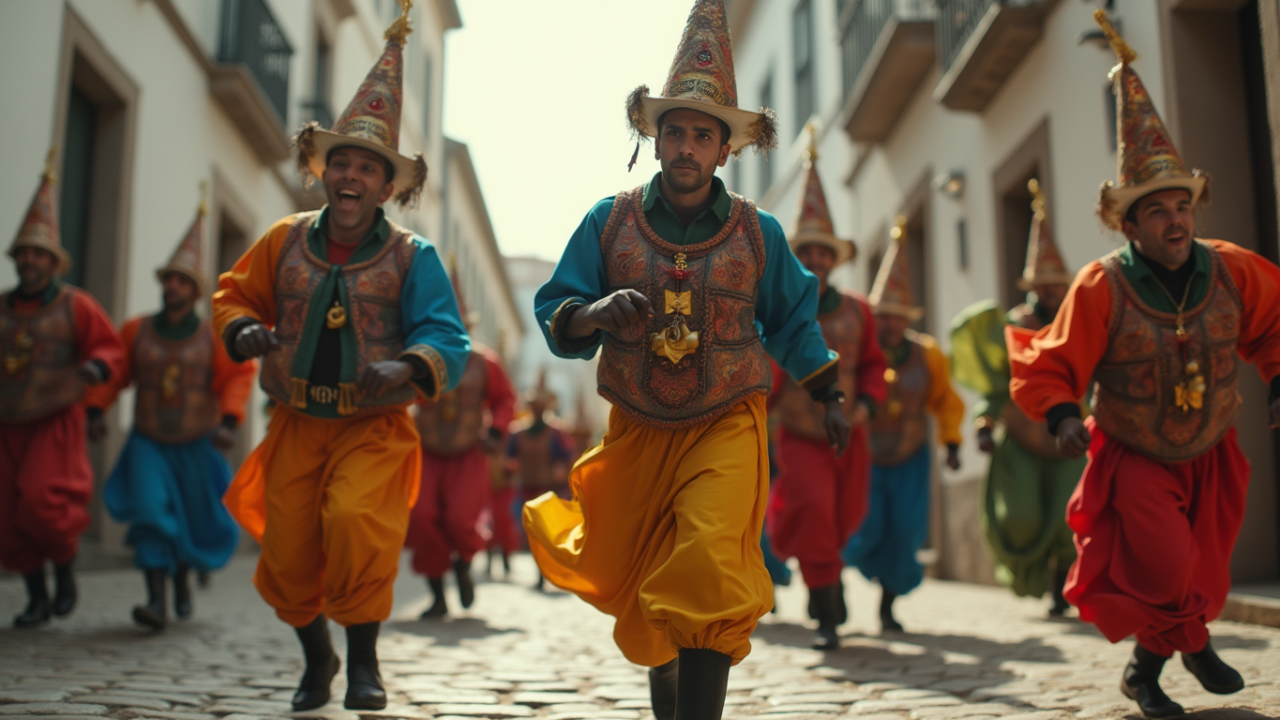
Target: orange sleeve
<point x="104" y="396"/>
<point x="1058" y="365"/>
<point x="943" y="402"/>
<point x="96" y="337"/>
<point x="248" y="289"/>
<point x="1259" y="283"/>
<point x="232" y="382"/>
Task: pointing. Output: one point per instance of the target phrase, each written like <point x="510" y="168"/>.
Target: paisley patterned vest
<point x="900" y="427"/>
<point x="1168" y="404"/>
<point x="174" y="402"/>
<point x="453" y="424"/>
<point x="533" y="450"/>
<point x="39" y="348"/>
<point x="373" y="287"/>
<point x="729" y="363"/>
<point x="1032" y="435"/>
<point x="843" y="330"/>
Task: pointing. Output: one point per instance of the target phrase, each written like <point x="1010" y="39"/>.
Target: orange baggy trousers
<point x="329" y="501"/>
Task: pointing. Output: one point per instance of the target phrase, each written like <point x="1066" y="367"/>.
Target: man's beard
<point x="688" y="186"/>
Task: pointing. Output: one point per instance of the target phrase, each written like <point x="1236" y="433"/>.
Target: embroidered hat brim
<point x="891" y="308"/>
<point x="844" y="250"/>
<point x="741" y="122"/>
<point x="1114" y="202"/>
<point x="325" y="141"/>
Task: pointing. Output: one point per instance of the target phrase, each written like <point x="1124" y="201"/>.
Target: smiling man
<point x="1157" y="326"/>
<point x="689" y="289"/>
<point x="354" y="319"/>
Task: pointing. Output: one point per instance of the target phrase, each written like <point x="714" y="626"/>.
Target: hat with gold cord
<point x="891" y="292"/>
<point x="813" y="217"/>
<point x="1044" y="262"/>
<point x="40" y="226"/>
<point x="188" y="258"/>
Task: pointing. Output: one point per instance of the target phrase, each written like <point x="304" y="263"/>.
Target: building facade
<point x="942" y="110"/>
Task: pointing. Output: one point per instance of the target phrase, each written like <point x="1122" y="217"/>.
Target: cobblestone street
<point x="972" y="652"/>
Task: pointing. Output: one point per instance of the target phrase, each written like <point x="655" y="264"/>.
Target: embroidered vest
<point x="843" y="330"/>
<point x="453" y="424"/>
<point x="1032" y="435"/>
<point x="533" y="451"/>
<point x="373" y="287"/>
<point x="900" y="427"/>
<point x="174" y="401"/>
<point x="716" y="300"/>
<point x="39" y="355"/>
<point x="1167" y="402"/>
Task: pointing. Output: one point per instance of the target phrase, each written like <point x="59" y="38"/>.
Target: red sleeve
<point x="96" y="337"/>
<point x="500" y="397"/>
<point x="232" y="381"/>
<point x="1259" y="283"/>
<point x="871" y="363"/>
<point x="1058" y="365"/>
<point x="104" y="395"/>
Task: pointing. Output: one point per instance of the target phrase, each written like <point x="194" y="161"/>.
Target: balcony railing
<point x="863" y="29"/>
<point x="957" y="20"/>
<point x="252" y="37"/>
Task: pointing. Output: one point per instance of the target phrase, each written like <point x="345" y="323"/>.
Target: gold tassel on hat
<point x="49" y="173"/>
<point x="298" y="394"/>
<point x="1126" y="54"/>
<point x="347" y="399"/>
<point x="400" y="29"/>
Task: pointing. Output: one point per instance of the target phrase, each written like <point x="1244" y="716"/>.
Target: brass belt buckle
<point x="324" y="394"/>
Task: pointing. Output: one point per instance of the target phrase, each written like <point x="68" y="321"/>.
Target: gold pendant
<point x="1190" y="395"/>
<point x="674" y="342"/>
<point x="171" y="382"/>
<point x="17" y="359"/>
<point x="337" y="316"/>
<point x="678" y="302"/>
<point x="890" y="375"/>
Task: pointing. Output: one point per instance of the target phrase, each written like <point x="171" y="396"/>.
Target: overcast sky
<point x="537" y="89"/>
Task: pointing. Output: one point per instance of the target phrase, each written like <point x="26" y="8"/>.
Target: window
<point x="77" y="182"/>
<point x="766" y="170"/>
<point x="802" y="54"/>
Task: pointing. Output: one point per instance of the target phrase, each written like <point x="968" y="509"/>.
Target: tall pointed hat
<point x="371" y="121"/>
<point x="891" y="292"/>
<point x="1146" y="158"/>
<point x="188" y="258"/>
<point x="701" y="78"/>
<point x="540" y="392"/>
<point x="40" y="226"/>
<point x="813" y="218"/>
<point x="1044" y="262"/>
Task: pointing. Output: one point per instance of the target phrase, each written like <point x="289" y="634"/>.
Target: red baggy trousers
<point x="505" y="535"/>
<point x="1154" y="541"/>
<point x="818" y="502"/>
<point x="450" y="515"/>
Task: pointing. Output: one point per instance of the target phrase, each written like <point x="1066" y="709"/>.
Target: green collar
<point x="898" y="355"/>
<point x="830" y="300"/>
<point x="180" y="331"/>
<point x="664" y="221"/>
<point x="318" y="237"/>
<point x="46" y="296"/>
<point x="1148" y="286"/>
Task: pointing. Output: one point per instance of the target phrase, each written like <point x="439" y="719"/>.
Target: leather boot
<point x="702" y="682"/>
<point x="64" y="594"/>
<point x="182" y="592"/>
<point x="364" y="682"/>
<point x="38" y="609"/>
<point x="1214" y="675"/>
<point x="1060" y="605"/>
<point x="466" y="587"/>
<point x="153" y="614"/>
<point x="888" y="623"/>
<point x="825" y="603"/>
<point x="322" y="665"/>
<point x="439" y="605"/>
<point x="662" y="690"/>
<point x="1141" y="684"/>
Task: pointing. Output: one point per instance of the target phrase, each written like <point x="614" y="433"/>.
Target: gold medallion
<point x="337" y="316"/>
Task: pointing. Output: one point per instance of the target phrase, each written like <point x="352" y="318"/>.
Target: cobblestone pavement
<point x="971" y="653"/>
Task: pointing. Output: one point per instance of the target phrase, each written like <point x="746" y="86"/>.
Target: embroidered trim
<point x="435" y="364"/>
<point x="818" y="374"/>
<point x="682" y="423"/>
<point x="636" y="197"/>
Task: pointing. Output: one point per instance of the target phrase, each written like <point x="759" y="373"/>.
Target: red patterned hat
<point x="188" y="258"/>
<point x="813" y="217"/>
<point x="1148" y="162"/>
<point x="891" y="293"/>
<point x="701" y="78"/>
<point x="40" y="226"/>
<point x="371" y="121"/>
<point x="1044" y="262"/>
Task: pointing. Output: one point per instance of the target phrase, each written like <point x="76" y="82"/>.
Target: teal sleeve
<point x="429" y="319"/>
<point x="579" y="279"/>
<point x="787" y="311"/>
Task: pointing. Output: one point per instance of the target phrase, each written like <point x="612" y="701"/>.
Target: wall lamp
<point x="951" y="184"/>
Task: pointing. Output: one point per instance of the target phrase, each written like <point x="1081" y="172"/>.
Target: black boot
<point x="506" y="566"/>
<point x="38" y="610"/>
<point x="1060" y="604"/>
<point x="1141" y="684"/>
<point x="64" y="594"/>
<point x="202" y="579"/>
<point x="703" y="681"/>
<point x="662" y="690"/>
<point x="364" y="683"/>
<point x="153" y="614"/>
<point x="182" y="592"/>
<point x="824" y="603"/>
<point x="466" y="587"/>
<point x="439" y="605"/>
<point x="1215" y="675"/>
<point x="888" y="623"/>
<point x="322" y="665"/>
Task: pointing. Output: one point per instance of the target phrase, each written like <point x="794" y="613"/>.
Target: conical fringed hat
<point x="1147" y="160"/>
<point x="188" y="258"/>
<point x="813" y="218"/>
<point x="701" y="78"/>
<point x="891" y="293"/>
<point x="371" y="121"/>
<point x="540" y="393"/>
<point x="40" y="226"/>
<point x="1044" y="262"/>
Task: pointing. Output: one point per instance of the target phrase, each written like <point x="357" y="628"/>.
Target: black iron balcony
<point x="887" y="48"/>
<point x="251" y="78"/>
<point x="981" y="43"/>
